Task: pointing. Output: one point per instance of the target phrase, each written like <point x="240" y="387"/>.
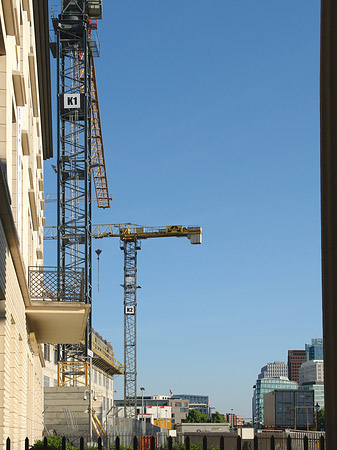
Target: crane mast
<point x="75" y="47"/>
<point x="130" y="248"/>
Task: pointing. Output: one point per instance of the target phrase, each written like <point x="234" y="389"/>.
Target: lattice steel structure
<point x="74" y="51"/>
<point x="130" y="236"/>
<point x="130" y="248"/>
<point x="97" y="153"/>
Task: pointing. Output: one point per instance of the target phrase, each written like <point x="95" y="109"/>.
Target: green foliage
<point x="112" y="447"/>
<point x="197" y="446"/>
<point x="218" y="418"/>
<point x="54" y="443"/>
<point x="195" y="416"/>
<point x="321" y="419"/>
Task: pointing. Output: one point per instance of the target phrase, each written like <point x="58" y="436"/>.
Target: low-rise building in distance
<point x="234" y="420"/>
<point x="198" y="402"/>
<point x="152" y="407"/>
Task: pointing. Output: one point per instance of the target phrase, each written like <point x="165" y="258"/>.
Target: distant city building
<point x="318" y="389"/>
<point x="180" y="409"/>
<point x="311" y="376"/>
<point x="312" y="372"/>
<point x="162" y="415"/>
<point x="198" y="402"/>
<point x="234" y="420"/>
<point x="275" y="369"/>
<point x="262" y="387"/>
<point x="289" y="408"/>
<point x="295" y="359"/>
<point x="151" y="408"/>
<point x="314" y="350"/>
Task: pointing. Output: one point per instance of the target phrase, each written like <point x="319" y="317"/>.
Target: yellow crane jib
<point x="130" y="232"/>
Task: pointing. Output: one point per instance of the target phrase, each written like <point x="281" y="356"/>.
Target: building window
<point x="178" y="404"/>
<point x="46" y="352"/>
<point x="46" y="381"/>
<point x="55" y="354"/>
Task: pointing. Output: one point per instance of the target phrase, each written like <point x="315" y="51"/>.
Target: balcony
<point x="57" y="313"/>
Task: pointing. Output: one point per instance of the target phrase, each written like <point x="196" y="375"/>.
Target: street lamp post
<point x="316" y="411"/>
<point x="232" y="418"/>
<point x="142" y="389"/>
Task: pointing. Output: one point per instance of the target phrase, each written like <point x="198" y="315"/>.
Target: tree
<point x="218" y="418"/>
<point x="195" y="416"/>
<point x="321" y="419"/>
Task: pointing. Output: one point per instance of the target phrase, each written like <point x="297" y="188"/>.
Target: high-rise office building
<point x="311" y="377"/>
<point x="262" y="387"/>
<point x="295" y="359"/>
<point x="314" y="350"/>
<point x="312" y="372"/>
<point x="275" y="369"/>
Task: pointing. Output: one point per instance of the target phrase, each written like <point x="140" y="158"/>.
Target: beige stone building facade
<point x="25" y="142"/>
<point x="25" y="139"/>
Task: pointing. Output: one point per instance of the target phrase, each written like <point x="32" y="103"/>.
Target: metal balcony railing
<point x="47" y="283"/>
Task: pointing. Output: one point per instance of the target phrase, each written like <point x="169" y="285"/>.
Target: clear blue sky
<point x="210" y="115"/>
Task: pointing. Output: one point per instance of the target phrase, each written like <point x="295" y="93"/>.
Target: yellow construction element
<point x="100" y="351"/>
<point x="96" y="423"/>
<point x="130" y="232"/>
<point x="97" y="153"/>
<point x="163" y="423"/>
<point x="72" y="371"/>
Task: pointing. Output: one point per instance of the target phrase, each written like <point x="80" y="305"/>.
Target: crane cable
<point x="98" y="252"/>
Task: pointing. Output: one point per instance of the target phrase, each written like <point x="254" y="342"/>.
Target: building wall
<point x="312" y="372"/>
<point x="295" y="359"/>
<point x="180" y="409"/>
<point x="318" y="393"/>
<point x="262" y="387"/>
<point x="198" y="402"/>
<point x="314" y="350"/>
<point x="275" y="369"/>
<point x="102" y="387"/>
<point x="21" y="162"/>
<point x="284" y="408"/>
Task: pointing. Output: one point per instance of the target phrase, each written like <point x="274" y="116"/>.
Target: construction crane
<point x="130" y="235"/>
<point x="80" y="156"/>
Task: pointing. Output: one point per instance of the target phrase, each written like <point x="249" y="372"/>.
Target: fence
<point x="151" y="443"/>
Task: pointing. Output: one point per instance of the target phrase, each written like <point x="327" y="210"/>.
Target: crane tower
<point x="74" y="50"/>
<point x="130" y="236"/>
